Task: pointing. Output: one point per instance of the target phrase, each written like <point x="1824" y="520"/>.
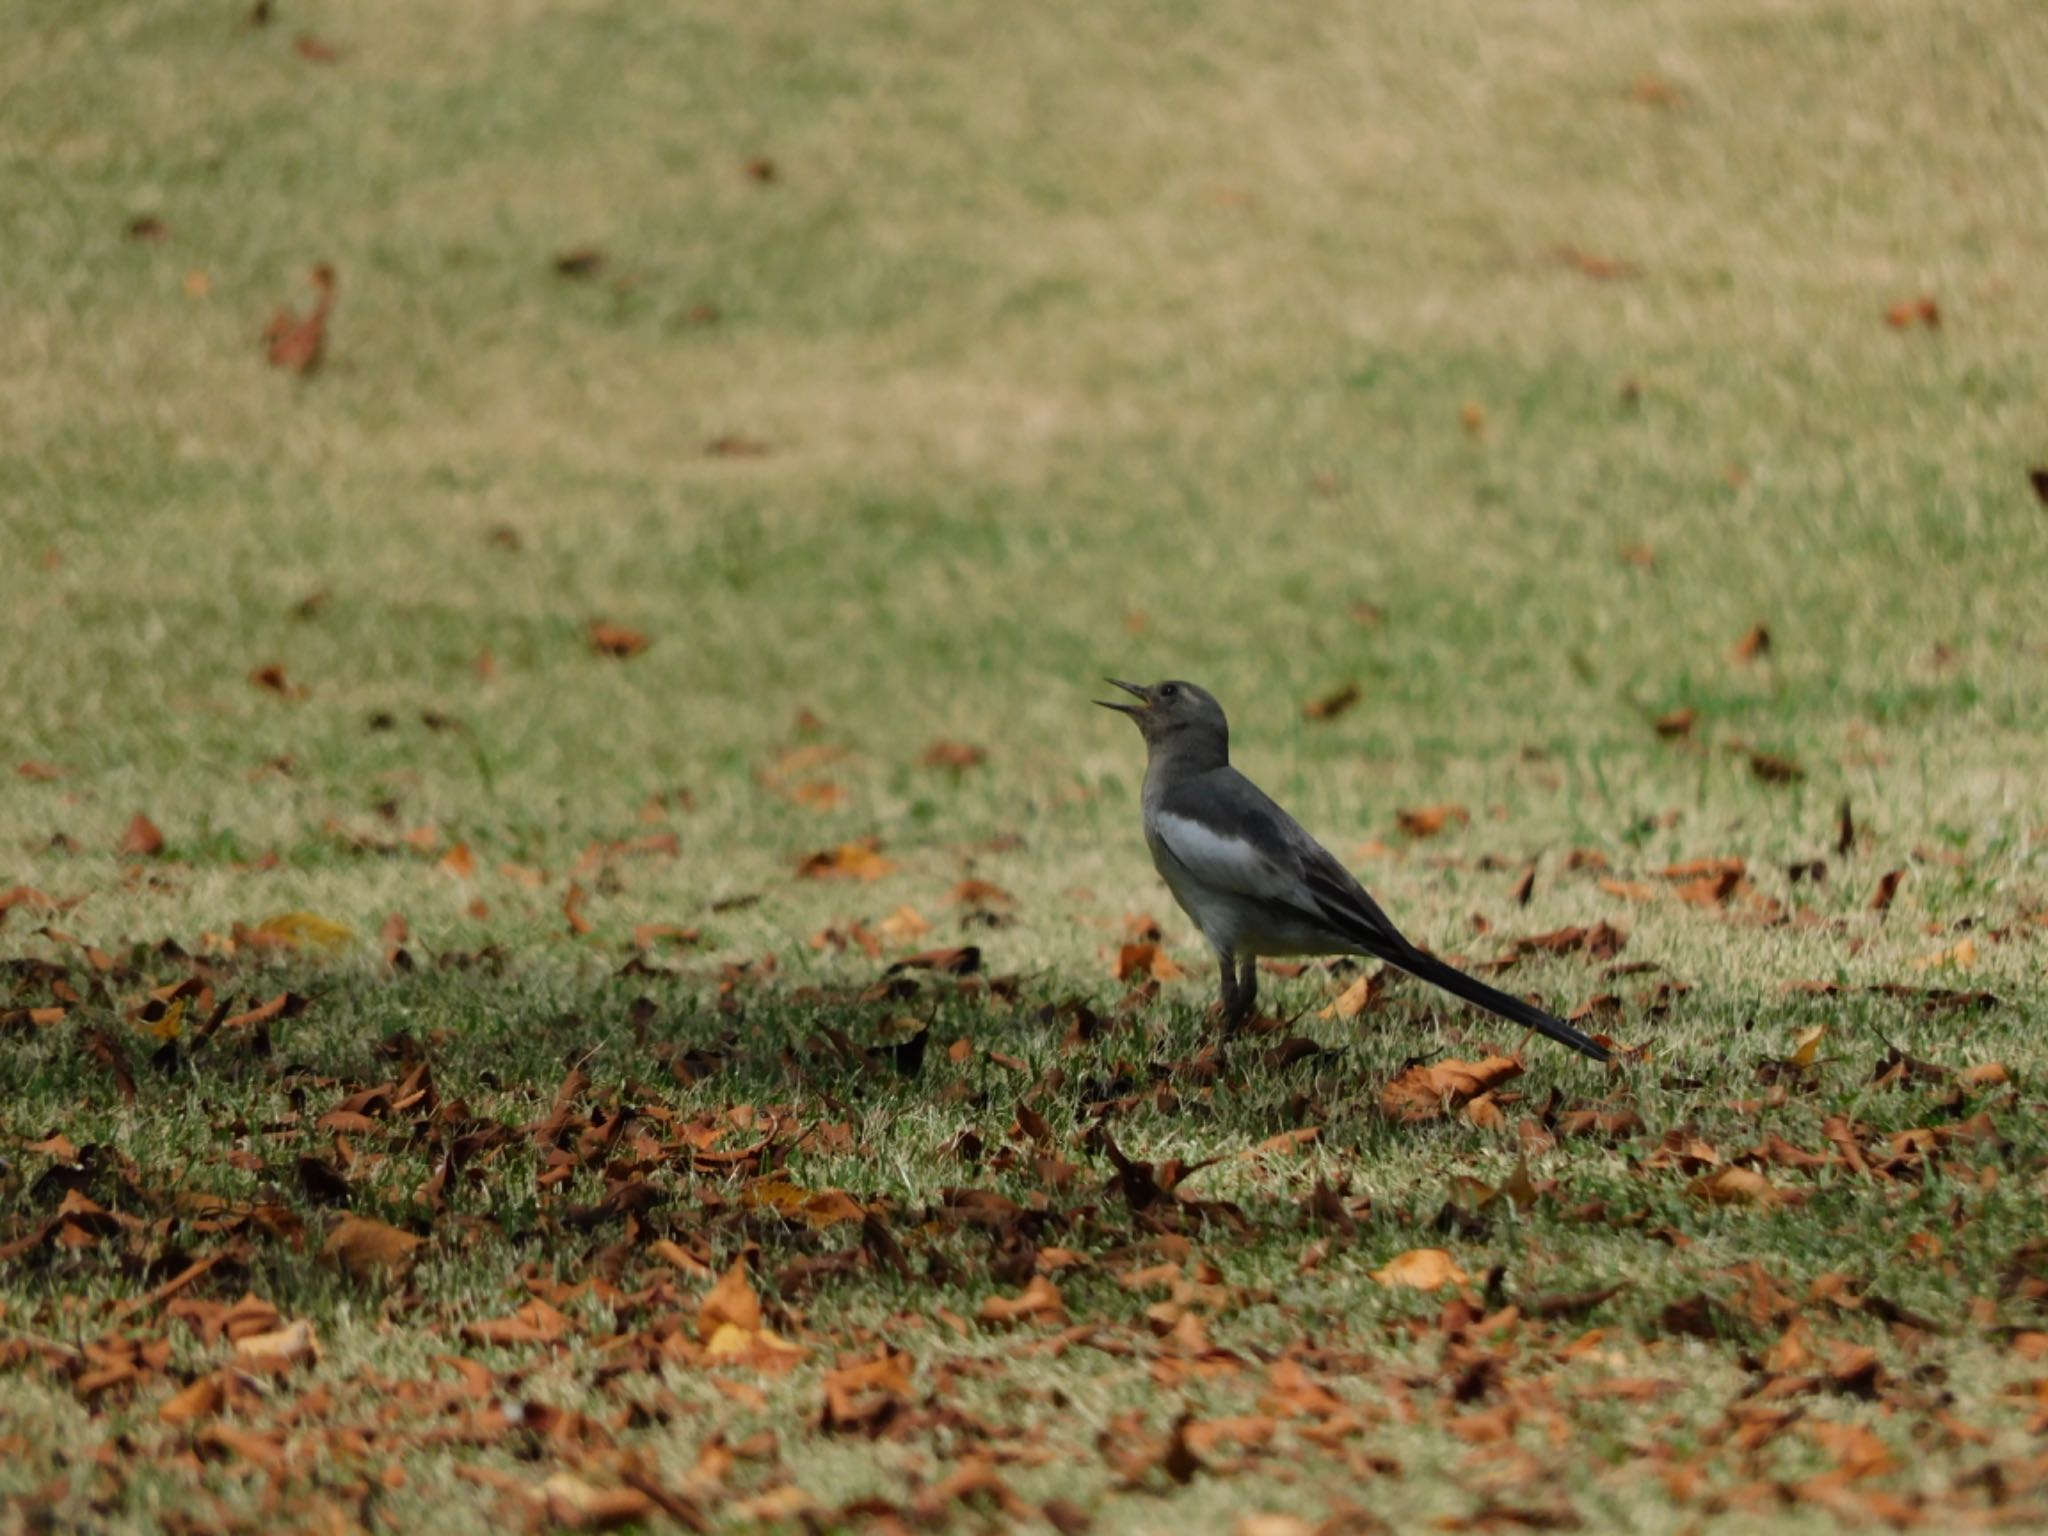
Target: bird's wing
<point x="1232" y="838"/>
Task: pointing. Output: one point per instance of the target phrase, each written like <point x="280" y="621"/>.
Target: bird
<point x="1254" y="881"/>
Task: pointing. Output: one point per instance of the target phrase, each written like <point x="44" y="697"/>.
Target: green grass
<point x="1147" y="342"/>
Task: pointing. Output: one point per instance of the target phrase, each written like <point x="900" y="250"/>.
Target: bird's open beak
<point x="1144" y="699"/>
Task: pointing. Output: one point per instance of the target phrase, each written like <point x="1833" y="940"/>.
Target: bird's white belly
<point x="1235" y="926"/>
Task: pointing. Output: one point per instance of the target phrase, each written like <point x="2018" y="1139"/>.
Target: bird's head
<point x="1173" y="715"/>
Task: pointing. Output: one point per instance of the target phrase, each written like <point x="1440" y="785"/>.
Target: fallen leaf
<point x="1679" y="722"/>
<point x="1429" y="820"/>
<point x="1134" y="960"/>
<point x="1923" y="310"/>
<point x="364" y="1247"/>
<point x="1887" y="888"/>
<point x="979" y="893"/>
<point x="142" y="838"/>
<point x="277" y="1347"/>
<point x="609" y="639"/>
<point x="1806" y="1046"/>
<point x="1773" y="769"/>
<point x="860" y="860"/>
<point x="1601" y="268"/>
<point x="1355" y="999"/>
<point x="584" y="261"/>
<point x="1420" y="1269"/>
<point x="1960" y="956"/>
<point x="1428" y="1092"/>
<point x="953" y="754"/>
<point x="1736" y="1186"/>
<point x="1332" y="704"/>
<point x="304" y="930"/>
<point x="1039" y="1301"/>
<point x="576" y="1505"/>
<point x="1752" y="645"/>
<point x="297" y="344"/>
<point x="202" y="1399"/>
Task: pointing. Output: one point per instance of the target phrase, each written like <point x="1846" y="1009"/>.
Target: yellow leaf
<point x="1421" y="1269"/>
<point x="1807" y="1045"/>
<point x="302" y="930"/>
<point x="172" y="1024"/>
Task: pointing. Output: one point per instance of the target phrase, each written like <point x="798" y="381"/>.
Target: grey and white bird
<point x="1253" y="881"/>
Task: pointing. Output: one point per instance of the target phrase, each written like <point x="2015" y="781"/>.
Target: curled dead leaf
<point x="1426" y="1092"/>
<point x="1737" y="1186"/>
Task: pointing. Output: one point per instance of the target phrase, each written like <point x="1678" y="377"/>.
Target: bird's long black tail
<point x="1432" y="970"/>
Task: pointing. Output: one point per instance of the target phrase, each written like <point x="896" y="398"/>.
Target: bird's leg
<point x="1226" y="970"/>
<point x="1248" y="989"/>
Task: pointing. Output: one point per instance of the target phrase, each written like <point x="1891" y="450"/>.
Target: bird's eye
<point x="1168" y="691"/>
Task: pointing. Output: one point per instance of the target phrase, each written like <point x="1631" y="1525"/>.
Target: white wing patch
<point x="1224" y="863"/>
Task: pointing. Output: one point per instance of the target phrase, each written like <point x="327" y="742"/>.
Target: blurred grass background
<point x="1055" y="342"/>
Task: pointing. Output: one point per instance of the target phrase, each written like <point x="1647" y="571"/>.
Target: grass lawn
<point x="742" y="434"/>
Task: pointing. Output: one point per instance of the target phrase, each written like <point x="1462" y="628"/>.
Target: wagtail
<point x="1253" y="881"/>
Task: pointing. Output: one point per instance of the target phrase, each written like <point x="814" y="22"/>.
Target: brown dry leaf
<point x="1600" y="268"/>
<point x="1990" y="1074"/>
<point x="980" y="893"/>
<point x="1752" y="645"/>
<point x="363" y="1247"/>
<point x="278" y="1347"/>
<point x="1679" y="722"/>
<point x="142" y="838"/>
<point x="1146" y="960"/>
<point x="953" y="754"/>
<point x="1039" y="1301"/>
<point x="1420" y="1269"/>
<point x="616" y="640"/>
<point x="1430" y="1092"/>
<point x="534" y="1323"/>
<point x="202" y="1399"/>
<point x="37" y="771"/>
<point x="272" y="679"/>
<point x="903" y="926"/>
<point x="1887" y="889"/>
<point x="1774" y="769"/>
<point x="816" y="1208"/>
<point x="297" y="344"/>
<point x="1960" y="956"/>
<point x="1332" y="704"/>
<point x="1355" y="999"/>
<point x="458" y="862"/>
<point x="1472" y="416"/>
<point x="860" y="860"/>
<point x="572" y="910"/>
<point x="730" y="1303"/>
<point x="1736" y="1186"/>
<point x="1923" y="310"/>
<point x="1429" y="820"/>
<point x="576" y="1505"/>
<point x="1629" y="890"/>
